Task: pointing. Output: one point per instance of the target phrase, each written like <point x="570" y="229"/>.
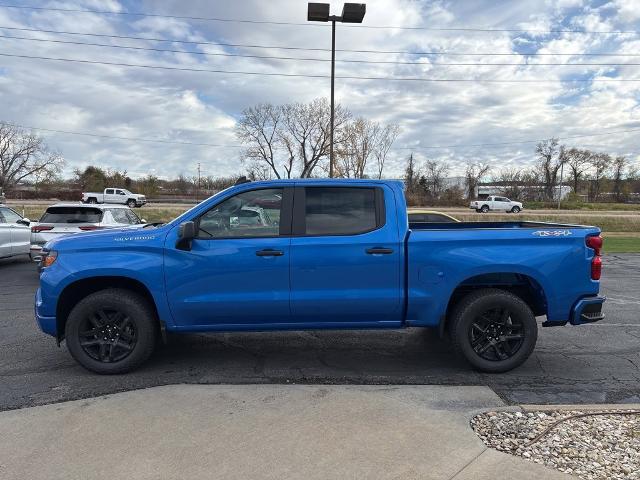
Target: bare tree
<point x="551" y="157"/>
<point x="259" y="129"/>
<point x="360" y="137"/>
<point x="474" y="173"/>
<point x="364" y="140"/>
<point x="386" y="136"/>
<point x="307" y="127"/>
<point x="578" y="162"/>
<point x="411" y="176"/>
<point x="510" y="181"/>
<point x="600" y="163"/>
<point x="24" y="155"/>
<point x="432" y="179"/>
<point x="619" y="166"/>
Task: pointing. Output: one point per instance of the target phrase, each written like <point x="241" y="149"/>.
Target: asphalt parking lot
<point x="587" y="364"/>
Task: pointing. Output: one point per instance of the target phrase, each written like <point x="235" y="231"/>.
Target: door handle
<point x="268" y="252"/>
<point x="379" y="251"/>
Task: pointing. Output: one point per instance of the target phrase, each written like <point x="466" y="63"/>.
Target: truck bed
<point x="444" y="256"/>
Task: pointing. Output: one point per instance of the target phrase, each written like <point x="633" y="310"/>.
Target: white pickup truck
<point x="501" y="204"/>
<point x="115" y="195"/>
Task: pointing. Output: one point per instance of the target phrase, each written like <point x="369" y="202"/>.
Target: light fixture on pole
<point x="351" y="13"/>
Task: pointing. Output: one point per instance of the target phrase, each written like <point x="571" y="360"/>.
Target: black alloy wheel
<point x="108" y="335"/>
<point x="492" y="329"/>
<point x="112" y="331"/>
<point x="496" y="335"/>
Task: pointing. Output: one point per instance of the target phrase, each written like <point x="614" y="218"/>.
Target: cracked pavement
<point x="587" y="364"/>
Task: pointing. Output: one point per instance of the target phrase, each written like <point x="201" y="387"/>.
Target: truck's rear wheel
<point x="111" y="331"/>
<point x="131" y="203"/>
<point x="92" y="200"/>
<point x="494" y="330"/>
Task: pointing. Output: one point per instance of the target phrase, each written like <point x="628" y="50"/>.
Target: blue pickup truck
<point x="316" y="254"/>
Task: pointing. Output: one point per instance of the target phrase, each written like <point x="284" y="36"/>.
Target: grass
<point x="607" y="223"/>
<point x="569" y="205"/>
<point x="621" y="244"/>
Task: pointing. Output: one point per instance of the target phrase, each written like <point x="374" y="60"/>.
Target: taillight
<point x="89" y="228"/>
<point x="596" y="263"/>
<point x="41" y="228"/>
<point x="596" y="268"/>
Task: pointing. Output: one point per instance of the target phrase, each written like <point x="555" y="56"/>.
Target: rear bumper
<point x="587" y="310"/>
<point x="35" y="252"/>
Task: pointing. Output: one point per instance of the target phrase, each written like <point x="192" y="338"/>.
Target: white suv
<point x="500" y="204"/>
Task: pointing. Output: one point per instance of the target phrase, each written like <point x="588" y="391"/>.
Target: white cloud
<point x="202" y="107"/>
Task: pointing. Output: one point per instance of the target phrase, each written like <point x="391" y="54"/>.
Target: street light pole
<point x="351" y="13"/>
<point x="333" y="75"/>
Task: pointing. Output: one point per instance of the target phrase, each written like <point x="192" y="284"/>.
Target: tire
<point x="515" y="209"/>
<point x="479" y="330"/>
<point x="484" y="209"/>
<point x="121" y="317"/>
<point x="131" y="203"/>
<point x="92" y="200"/>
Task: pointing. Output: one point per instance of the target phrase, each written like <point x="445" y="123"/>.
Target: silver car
<point x="72" y="218"/>
<point x="14" y="233"/>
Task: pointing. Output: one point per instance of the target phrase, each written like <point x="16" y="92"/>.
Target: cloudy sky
<point x="447" y="120"/>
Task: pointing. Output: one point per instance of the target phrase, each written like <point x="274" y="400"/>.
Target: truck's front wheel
<point x="111" y="331"/>
<point x="494" y="330"/>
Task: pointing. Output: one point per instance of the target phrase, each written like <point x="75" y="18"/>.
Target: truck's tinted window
<point x="72" y="215"/>
<point x="109" y="191"/>
<point x="249" y="214"/>
<point x="339" y="210"/>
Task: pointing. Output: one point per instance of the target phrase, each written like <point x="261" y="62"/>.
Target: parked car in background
<point x="499" y="204"/>
<point x="419" y="215"/>
<point x="70" y="218"/>
<point x="14" y="233"/>
<point x="115" y="195"/>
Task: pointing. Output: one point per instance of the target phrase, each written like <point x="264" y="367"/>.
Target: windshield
<point x="72" y="215"/>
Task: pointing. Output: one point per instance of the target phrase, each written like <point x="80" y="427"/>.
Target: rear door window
<point x="109" y="191"/>
<point x="340" y="210"/>
<point x="72" y="215"/>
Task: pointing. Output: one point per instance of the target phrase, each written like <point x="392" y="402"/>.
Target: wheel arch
<point x="522" y="285"/>
<point x="76" y="291"/>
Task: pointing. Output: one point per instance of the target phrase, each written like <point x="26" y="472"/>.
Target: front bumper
<point x="47" y="324"/>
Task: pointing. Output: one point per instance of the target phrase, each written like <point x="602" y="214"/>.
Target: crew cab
<point x="500" y="204"/>
<point x="328" y="254"/>
<point x="115" y="195"/>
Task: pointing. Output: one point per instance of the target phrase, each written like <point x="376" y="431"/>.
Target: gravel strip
<point x="592" y="447"/>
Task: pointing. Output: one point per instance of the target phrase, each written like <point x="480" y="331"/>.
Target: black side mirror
<point x="186" y="234"/>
